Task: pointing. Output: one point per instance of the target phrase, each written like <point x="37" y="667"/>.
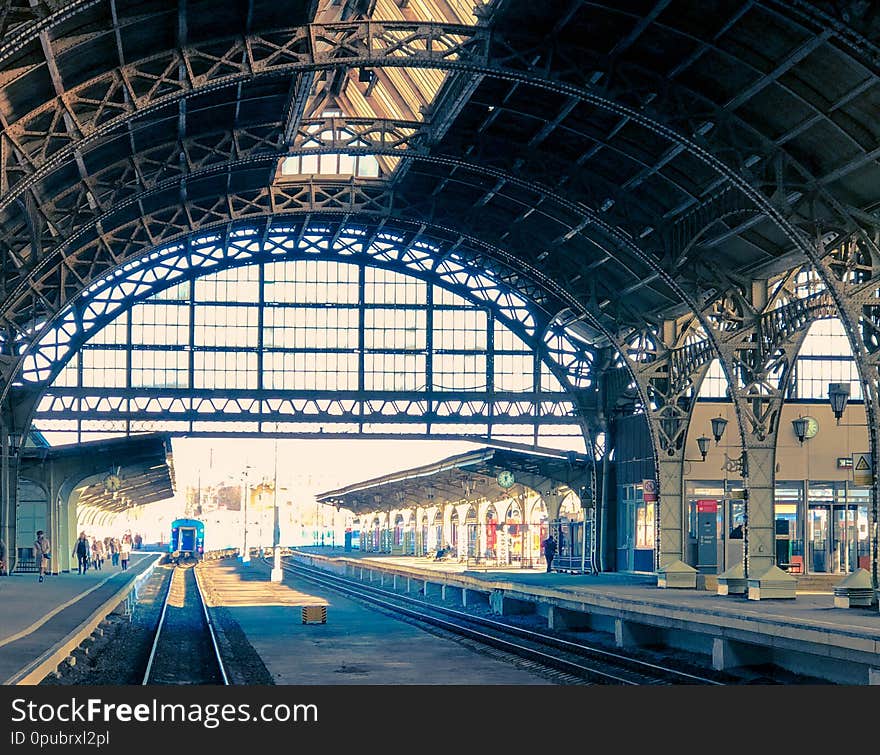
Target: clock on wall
<point x="112" y="483"/>
<point x="812" y="427"/>
<point x="505" y="479"/>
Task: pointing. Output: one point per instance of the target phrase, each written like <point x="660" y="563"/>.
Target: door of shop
<point x="833" y="537"/>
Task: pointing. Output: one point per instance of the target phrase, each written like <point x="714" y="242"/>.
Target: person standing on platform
<point x="42" y="552"/>
<point x="125" y="551"/>
<point x="81" y="551"/>
<point x="549" y="551"/>
<point x="98" y="553"/>
<point x="110" y="550"/>
<point x="3" y="567"/>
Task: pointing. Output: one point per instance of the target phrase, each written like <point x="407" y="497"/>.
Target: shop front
<point x="422" y="539"/>
<point x="825" y="531"/>
<point x="491" y="552"/>
<point x="438" y="541"/>
<point x="716" y="518"/>
<point x="571" y="531"/>
<point x="398" y="535"/>
<point x="377" y="539"/>
<point x="403" y="536"/>
<point x="453" y="532"/>
<point x="635" y="530"/>
<point x="472" y="532"/>
<point x="513" y="534"/>
<point x="837" y="536"/>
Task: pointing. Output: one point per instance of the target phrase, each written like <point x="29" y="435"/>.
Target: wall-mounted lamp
<point x="800" y="428"/>
<point x="718" y="425"/>
<point x="838" y="395"/>
<point x="703" y="445"/>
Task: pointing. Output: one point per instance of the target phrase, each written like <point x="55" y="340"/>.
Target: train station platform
<point x="353" y="645"/>
<point x="806" y="635"/>
<point x="42" y="622"/>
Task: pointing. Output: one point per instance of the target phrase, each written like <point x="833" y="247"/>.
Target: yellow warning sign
<point x="862" y="469"/>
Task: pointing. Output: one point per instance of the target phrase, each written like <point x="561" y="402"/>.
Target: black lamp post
<point x="800" y="428"/>
<point x="718" y="425"/>
<point x="838" y="395"/>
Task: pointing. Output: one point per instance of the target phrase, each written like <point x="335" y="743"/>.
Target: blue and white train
<point x="187" y="540"/>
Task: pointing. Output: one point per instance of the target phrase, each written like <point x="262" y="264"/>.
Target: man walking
<point x="549" y="551"/>
<point x="81" y="551"/>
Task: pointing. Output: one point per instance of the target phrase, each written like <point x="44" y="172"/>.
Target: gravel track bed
<point x="117" y="653"/>
<point x="184" y="653"/>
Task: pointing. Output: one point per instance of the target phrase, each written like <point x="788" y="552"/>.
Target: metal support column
<point x="671" y="505"/>
<point x="760" y="534"/>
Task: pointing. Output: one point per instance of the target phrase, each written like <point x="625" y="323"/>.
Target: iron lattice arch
<point x="309" y="328"/>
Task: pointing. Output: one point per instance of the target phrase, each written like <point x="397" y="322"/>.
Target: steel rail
<point x="654" y="672"/>
<point x="212" y="632"/>
<point x="158" y="633"/>
<point x="208" y="622"/>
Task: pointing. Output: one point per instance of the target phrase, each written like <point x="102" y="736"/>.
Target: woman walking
<point x="42" y="552"/>
<point x="125" y="551"/>
<point x="98" y="553"/>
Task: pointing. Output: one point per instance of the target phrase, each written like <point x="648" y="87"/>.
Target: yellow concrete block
<point x="314" y="615"/>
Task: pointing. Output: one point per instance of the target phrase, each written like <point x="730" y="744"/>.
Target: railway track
<point x="185" y="649"/>
<point x="565" y="661"/>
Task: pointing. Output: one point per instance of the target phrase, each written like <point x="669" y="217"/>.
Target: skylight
<point x="401" y="95"/>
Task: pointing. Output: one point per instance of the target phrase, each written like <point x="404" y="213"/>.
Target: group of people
<point x="89" y="552"/>
<point x="93" y="552"/>
<point x="549" y="546"/>
<point x="444" y="551"/>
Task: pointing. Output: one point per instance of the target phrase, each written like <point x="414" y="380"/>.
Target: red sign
<point x="649" y="491"/>
<point x="707" y="506"/>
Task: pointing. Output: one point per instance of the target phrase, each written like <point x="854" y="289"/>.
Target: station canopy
<point x="634" y="161"/>
<point x="472" y="476"/>
<point x="143" y="465"/>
